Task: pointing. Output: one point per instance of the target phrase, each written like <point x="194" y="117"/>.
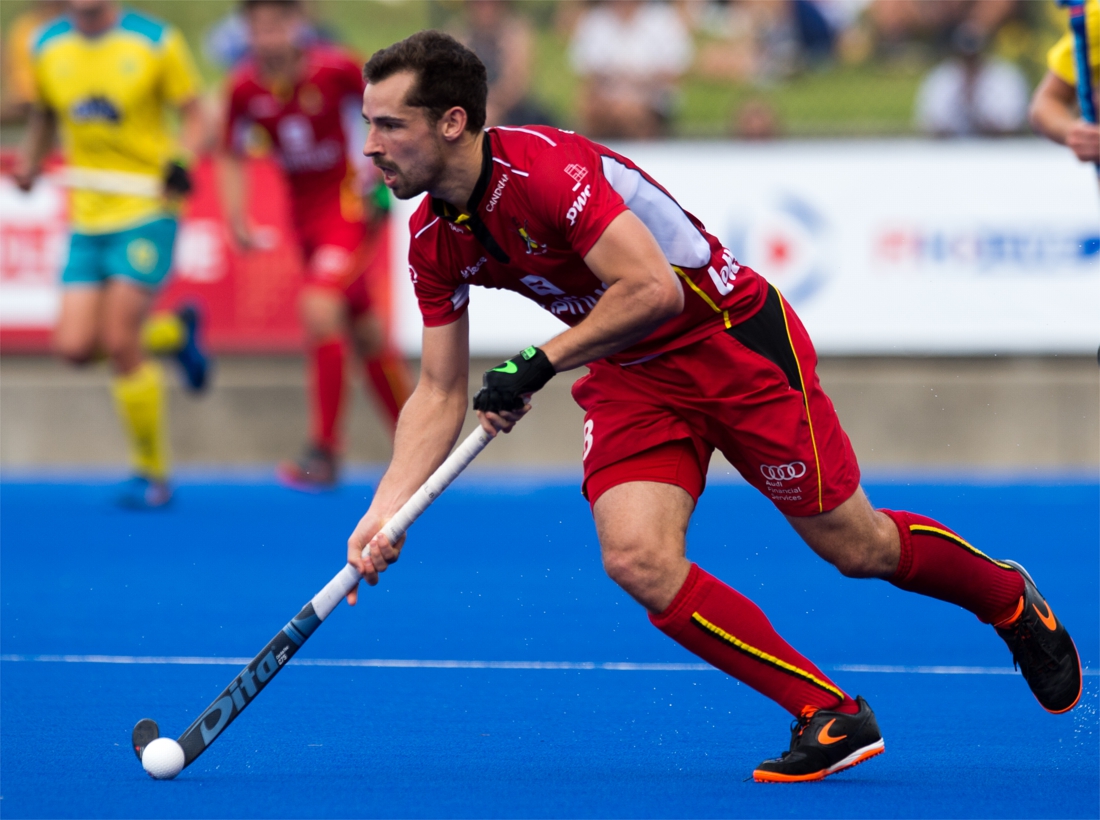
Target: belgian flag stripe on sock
<point x="762" y="656"/>
<point x="954" y="539"/>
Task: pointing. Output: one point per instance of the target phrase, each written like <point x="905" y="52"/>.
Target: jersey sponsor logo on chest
<point x="576" y="305"/>
<point x="300" y="151"/>
<point x="91" y="109"/>
<point x="495" y="198"/>
<point x="723" y="279"/>
<point x="564" y="304"/>
<point x="578" y="172"/>
<point x="533" y="246"/>
<point x="578" y="205"/>
<point x="264" y="106"/>
<point x="470" y="270"/>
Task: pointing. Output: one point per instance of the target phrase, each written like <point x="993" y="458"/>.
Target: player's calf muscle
<point x="855" y="538"/>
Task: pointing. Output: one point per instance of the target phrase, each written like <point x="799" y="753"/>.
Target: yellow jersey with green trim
<point x="1062" y="61"/>
<point x="111" y="94"/>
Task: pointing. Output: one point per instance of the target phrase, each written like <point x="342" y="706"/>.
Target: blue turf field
<point x="506" y="569"/>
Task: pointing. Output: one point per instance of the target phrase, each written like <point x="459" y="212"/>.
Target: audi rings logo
<point x="783" y="472"/>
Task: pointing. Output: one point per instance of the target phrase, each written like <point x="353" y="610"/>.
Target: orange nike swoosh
<point x="1048" y="620"/>
<point x="826" y="739"/>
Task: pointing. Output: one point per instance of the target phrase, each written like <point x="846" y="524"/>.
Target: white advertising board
<point x="883" y="247"/>
<point x="33" y="247"/>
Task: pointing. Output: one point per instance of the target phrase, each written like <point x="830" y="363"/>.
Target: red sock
<point x="390" y="377"/>
<point x="729" y="631"/>
<point x="328" y="391"/>
<point x="937" y="563"/>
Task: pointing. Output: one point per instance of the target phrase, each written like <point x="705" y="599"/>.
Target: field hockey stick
<point x="259" y="672"/>
<point x="1086" y="97"/>
<point x="111" y="182"/>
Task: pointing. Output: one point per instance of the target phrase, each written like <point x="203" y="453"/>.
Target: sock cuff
<point x="163" y="333"/>
<point x="146" y="375"/>
<point x="331" y="343"/>
<point x="901" y="520"/>
<point x="670" y="621"/>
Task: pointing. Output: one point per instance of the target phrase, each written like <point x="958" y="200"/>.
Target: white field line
<point x="400" y="663"/>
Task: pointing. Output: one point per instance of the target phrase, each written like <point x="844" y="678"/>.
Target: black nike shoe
<point x="1042" y="650"/>
<point x="824" y="743"/>
<point x="315" y="471"/>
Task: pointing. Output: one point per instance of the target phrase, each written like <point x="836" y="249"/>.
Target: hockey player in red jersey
<point x="303" y="100"/>
<point x="688" y="351"/>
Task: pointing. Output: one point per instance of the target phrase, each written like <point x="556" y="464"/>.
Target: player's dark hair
<point x="447" y="75"/>
<point x="287" y="5"/>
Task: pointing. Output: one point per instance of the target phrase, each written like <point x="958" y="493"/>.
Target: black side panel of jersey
<point x="765" y="333"/>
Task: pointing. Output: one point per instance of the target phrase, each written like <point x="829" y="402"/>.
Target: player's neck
<point x="96" y="23"/>
<point x="463" y="172"/>
<point x="283" y="68"/>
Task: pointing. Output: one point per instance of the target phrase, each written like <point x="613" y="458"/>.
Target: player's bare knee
<point x="641" y="564"/>
<point x="123" y="350"/>
<point x="627" y="562"/>
<point x="367" y="348"/>
<point x="368" y="337"/>
<point x="74" y="350"/>
<point x="323" y="314"/>
<point x="620" y="562"/>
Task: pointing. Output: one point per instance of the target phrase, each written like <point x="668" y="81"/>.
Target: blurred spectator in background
<point x="1054" y="110"/>
<point x="304" y="99"/>
<point x="503" y="40"/>
<point x="18" y="98"/>
<point x="630" y="56"/>
<point x="227" y="42"/>
<point x="901" y="24"/>
<point x="972" y="94"/>
<point x="755" y="120"/>
<point x="765" y="40"/>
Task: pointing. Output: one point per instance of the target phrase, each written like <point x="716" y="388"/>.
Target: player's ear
<point x="453" y="123"/>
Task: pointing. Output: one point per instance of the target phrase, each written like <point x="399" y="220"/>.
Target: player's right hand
<point x="242" y="234"/>
<point x="177" y="179"/>
<point x="504" y="421"/>
<point x="381" y="553"/>
<point x="1084" y="140"/>
<point x="24" y="178"/>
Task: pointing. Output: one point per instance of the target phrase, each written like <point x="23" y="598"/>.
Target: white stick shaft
<point x="437" y="482"/>
<point x="348" y="578"/>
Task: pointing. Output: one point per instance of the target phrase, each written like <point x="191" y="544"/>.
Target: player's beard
<point x="417" y="177"/>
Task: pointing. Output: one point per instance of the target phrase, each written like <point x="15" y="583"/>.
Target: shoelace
<point x="799" y="724"/>
<point x="1027" y="652"/>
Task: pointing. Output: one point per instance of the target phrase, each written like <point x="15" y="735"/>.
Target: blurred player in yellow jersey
<point x="1054" y="110"/>
<point x="106" y="78"/>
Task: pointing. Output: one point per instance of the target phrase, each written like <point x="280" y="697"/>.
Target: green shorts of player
<point x="142" y="254"/>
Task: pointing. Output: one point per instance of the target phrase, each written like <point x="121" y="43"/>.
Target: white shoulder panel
<point x="683" y="244"/>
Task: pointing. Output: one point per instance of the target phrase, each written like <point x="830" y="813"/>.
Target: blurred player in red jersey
<point x="688" y="351"/>
<point x="304" y="99"/>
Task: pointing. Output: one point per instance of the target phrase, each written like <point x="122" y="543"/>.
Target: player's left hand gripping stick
<point x="507" y="386"/>
<point x="166" y="758"/>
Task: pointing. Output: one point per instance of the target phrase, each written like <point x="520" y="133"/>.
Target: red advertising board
<point x="249" y="299"/>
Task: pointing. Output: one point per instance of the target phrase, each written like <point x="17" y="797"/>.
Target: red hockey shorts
<point x="341" y="254"/>
<point x="751" y="392"/>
